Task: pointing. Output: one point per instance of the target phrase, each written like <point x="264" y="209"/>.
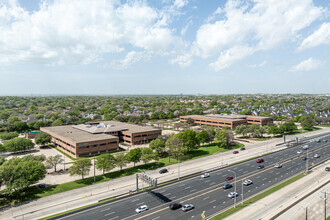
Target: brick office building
<point x="231" y="121"/>
<point x="98" y="137"/>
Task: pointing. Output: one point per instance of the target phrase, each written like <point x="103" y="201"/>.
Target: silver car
<point x="141" y="208"/>
<point x="187" y="207"/>
<point x="232" y="194"/>
<point x="247" y="182"/>
<point x="316" y="156"/>
<point x="278" y="165"/>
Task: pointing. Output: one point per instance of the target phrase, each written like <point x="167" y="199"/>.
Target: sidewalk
<point x="91" y="194"/>
<point x="271" y="205"/>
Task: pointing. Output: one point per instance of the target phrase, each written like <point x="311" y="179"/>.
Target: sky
<point x="113" y="47"/>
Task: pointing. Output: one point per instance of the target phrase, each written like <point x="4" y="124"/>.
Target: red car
<point x="229" y="178"/>
<point x="235" y="152"/>
<point x="260" y="160"/>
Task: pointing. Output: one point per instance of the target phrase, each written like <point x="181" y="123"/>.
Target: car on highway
<point x="316" y="155"/>
<point x="318" y="140"/>
<point x="247" y="182"/>
<point x="260" y="160"/>
<point x="304" y="158"/>
<point x="141" y="208"/>
<point x="174" y="206"/>
<point x="229" y="178"/>
<point x="227" y="186"/>
<point x="187" y="207"/>
<point x="327" y="169"/>
<point x="232" y="194"/>
<point x="305" y="147"/>
<point x="299" y="152"/>
<point x="325" y="140"/>
<point x="261" y="166"/>
<point x="243" y="148"/>
<point x="163" y="171"/>
<point x="278" y="165"/>
<point x="235" y="152"/>
<point x="205" y="175"/>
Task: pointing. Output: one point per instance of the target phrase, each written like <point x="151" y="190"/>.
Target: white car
<point x="278" y="165"/>
<point x="316" y="156"/>
<point x="232" y="194"/>
<point x="187" y="207"/>
<point x="299" y="151"/>
<point x="141" y="208"/>
<point x="205" y="175"/>
<point x="305" y="147"/>
<point x="247" y="182"/>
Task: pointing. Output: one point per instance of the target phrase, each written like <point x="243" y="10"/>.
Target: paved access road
<point x="206" y="194"/>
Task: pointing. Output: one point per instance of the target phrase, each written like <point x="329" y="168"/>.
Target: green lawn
<point x="257" y="197"/>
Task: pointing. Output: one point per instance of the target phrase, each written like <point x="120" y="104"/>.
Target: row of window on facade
<point x="57" y="139"/>
<point x="96" y="145"/>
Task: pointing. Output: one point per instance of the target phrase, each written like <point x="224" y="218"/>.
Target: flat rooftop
<point x="225" y="117"/>
<point x="76" y="135"/>
<point x="130" y="127"/>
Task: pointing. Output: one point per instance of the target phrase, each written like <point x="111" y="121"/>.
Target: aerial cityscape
<point x="169" y="109"/>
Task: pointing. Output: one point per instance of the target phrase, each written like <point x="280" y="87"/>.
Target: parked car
<point x="229" y="178"/>
<point x="261" y="166"/>
<point x="299" y="151"/>
<point x="205" y="175"/>
<point x="278" y="165"/>
<point x="242" y="148"/>
<point x="232" y="194"/>
<point x="316" y="156"/>
<point x="163" y="171"/>
<point x="175" y="205"/>
<point x="41" y="185"/>
<point x="187" y="207"/>
<point x="304" y="158"/>
<point x="235" y="152"/>
<point x="327" y="169"/>
<point x="227" y="186"/>
<point x="260" y="160"/>
<point x="141" y="208"/>
<point x="247" y="182"/>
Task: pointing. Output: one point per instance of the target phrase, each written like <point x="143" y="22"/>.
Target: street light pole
<point x="235" y="188"/>
<point x="94" y="168"/>
<point x="307" y="161"/>
<point x="242" y="192"/>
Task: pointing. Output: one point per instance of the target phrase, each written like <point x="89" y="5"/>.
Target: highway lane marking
<point x="263" y="179"/>
<point x="156" y="218"/>
<point x="140" y="203"/>
<point x="193" y="190"/>
<point x="182" y="185"/>
<point x="105" y="210"/>
<point x="113" y="218"/>
<point x="173" y="197"/>
<point x="206" y="198"/>
<point x="167" y="194"/>
<point x="212" y="183"/>
<point x="109" y="213"/>
<point x="245" y="171"/>
<point x="162" y="191"/>
<point x="188" y="187"/>
<point x="258" y="177"/>
<point x="207" y="181"/>
<point x="135" y="200"/>
<point x="240" y="170"/>
<point x="213" y="201"/>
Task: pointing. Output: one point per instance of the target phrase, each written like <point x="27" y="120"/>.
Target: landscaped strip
<point x="257" y="197"/>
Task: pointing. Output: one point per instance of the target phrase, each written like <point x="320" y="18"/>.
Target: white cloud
<point x="319" y="37"/>
<point x="131" y="58"/>
<point x="306" y="65"/>
<point x="256" y="25"/>
<point x="80" y="31"/>
<point x="185" y="28"/>
<point x="182" y="60"/>
<point x="257" y="65"/>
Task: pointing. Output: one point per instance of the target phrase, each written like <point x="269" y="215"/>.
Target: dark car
<point x="235" y="152"/>
<point x="41" y="185"/>
<point x="229" y="178"/>
<point x="175" y="205"/>
<point x="304" y="158"/>
<point x="261" y="166"/>
<point x="327" y="169"/>
<point x="260" y="160"/>
<point x="243" y="148"/>
<point x="163" y="171"/>
<point x="227" y="186"/>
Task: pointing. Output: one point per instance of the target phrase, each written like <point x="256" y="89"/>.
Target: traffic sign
<point x="203" y="214"/>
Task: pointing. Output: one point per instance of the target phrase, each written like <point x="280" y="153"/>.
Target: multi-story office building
<point x="98" y="137"/>
<point x="232" y="121"/>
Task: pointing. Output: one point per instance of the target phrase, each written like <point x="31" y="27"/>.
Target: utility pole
<point x="325" y="204"/>
<point x="242" y="192"/>
<point x="235" y="188"/>
<point x="307" y="161"/>
<point x="94" y="168"/>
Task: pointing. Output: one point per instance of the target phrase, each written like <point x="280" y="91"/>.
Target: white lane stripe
<point x="135" y="200"/>
<point x="105" y="210"/>
<point x="109" y="213"/>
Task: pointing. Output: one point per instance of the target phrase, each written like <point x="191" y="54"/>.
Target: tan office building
<point x="98" y="137"/>
<point x="231" y="121"/>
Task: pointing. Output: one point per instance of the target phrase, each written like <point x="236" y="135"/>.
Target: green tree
<point x="2" y="149"/>
<point x="307" y="122"/>
<point x="158" y="145"/>
<point x="17" y="174"/>
<point x="57" y="122"/>
<point x="40" y="158"/>
<point x="221" y="138"/>
<point x="105" y="162"/>
<point x="18" y="144"/>
<point x="8" y="135"/>
<point x="241" y="129"/>
<point x="42" y="138"/>
<point x="287" y="127"/>
<point x="174" y="146"/>
<point x="2" y="160"/>
<point x="203" y="137"/>
<point x="134" y="155"/>
<point x="81" y="167"/>
<point x="190" y="121"/>
<point x="147" y="155"/>
<point x="53" y="161"/>
<point x="190" y="140"/>
<point x="273" y="129"/>
<point x="121" y="160"/>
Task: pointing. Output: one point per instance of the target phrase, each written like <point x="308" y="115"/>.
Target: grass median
<point x="257" y="197"/>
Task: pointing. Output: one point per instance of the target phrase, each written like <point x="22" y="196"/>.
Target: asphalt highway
<point x="206" y="194"/>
